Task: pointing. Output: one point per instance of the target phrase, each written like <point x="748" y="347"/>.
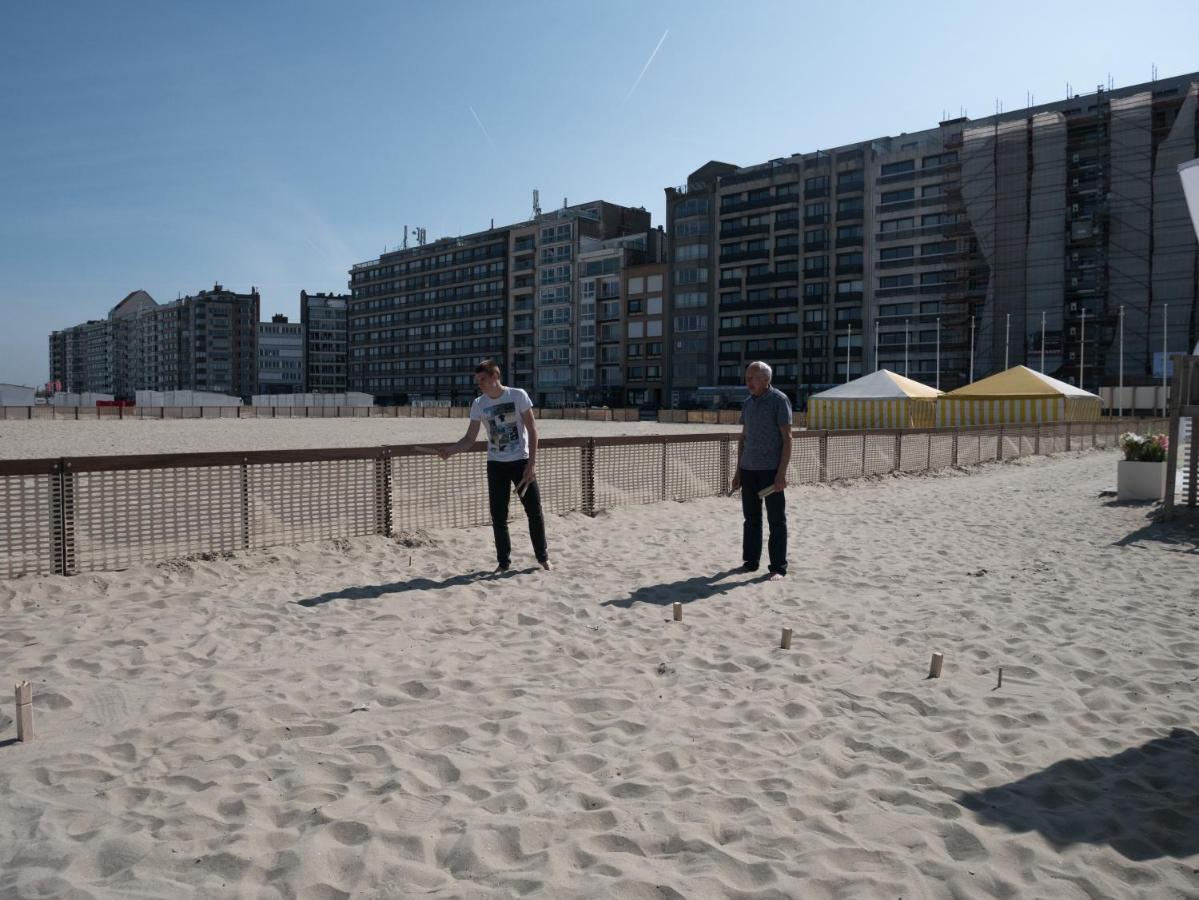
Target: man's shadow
<point x="374" y="591"/>
<point x="1141" y="802"/>
<point x="701" y="587"/>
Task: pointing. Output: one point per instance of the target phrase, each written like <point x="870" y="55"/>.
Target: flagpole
<point x="905" y="348"/>
<point x="938" y="385"/>
<point x="848" y="345"/>
<point x="1165" y="318"/>
<point x="1007" y="341"/>
<point x="1120" y="402"/>
<point x="1082" y="350"/>
<point x="1042" y="342"/>
<point x="972" y="350"/>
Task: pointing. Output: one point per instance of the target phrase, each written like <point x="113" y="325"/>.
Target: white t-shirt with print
<point x="507" y="437"/>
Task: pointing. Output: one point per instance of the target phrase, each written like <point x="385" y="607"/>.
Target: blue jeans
<point x="501" y="476"/>
<point x="752" y="481"/>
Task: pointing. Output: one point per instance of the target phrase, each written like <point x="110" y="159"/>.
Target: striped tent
<point x="1017" y="395"/>
<point x="881" y="399"/>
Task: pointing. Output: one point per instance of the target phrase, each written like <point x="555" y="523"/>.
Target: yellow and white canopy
<point x="881" y="399"/>
<point x="1015" y="396"/>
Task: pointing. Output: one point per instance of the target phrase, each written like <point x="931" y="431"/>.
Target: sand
<point x="43" y="438"/>
<point x="376" y="718"/>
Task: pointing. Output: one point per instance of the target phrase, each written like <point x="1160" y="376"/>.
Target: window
<point x="936" y="277"/>
<point x="898" y="168"/>
<point x="690" y="299"/>
<point x="653" y="283"/>
<point x="899" y="196"/>
<point x="848" y="314"/>
<point x="692" y="206"/>
<point x="636" y="330"/>
<point x="633" y="351"/>
<point x="813" y="315"/>
<point x="903" y="252"/>
<point x="693" y="228"/>
<point x="654" y="348"/>
<point x="636" y="285"/>
<point x="849" y="206"/>
<point x="895" y="309"/>
<point x="849" y="287"/>
<point x="932" y="190"/>
<point x="653" y="306"/>
<point x="690" y="251"/>
<point x="819" y="208"/>
<point x="815" y="236"/>
<point x="889" y="225"/>
<point x="815" y="289"/>
<point x="816" y="183"/>
<point x="690" y="323"/>
<point x="815" y="263"/>
<point x="690" y="276"/>
<point x="938" y="219"/>
<point x="938" y="249"/>
<point x="849" y="259"/>
<point x="727" y="322"/>
<point x="849" y="232"/>
<point x="942" y="159"/>
<point x="849" y="179"/>
<point x="895" y="281"/>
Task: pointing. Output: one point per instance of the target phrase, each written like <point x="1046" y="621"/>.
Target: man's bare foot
<point x="546" y="564"/>
<point x="500" y="570"/>
<point x="776" y="576"/>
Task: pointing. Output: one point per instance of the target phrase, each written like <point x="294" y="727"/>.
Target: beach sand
<point x="44" y="438"/>
<point x="376" y="718"/>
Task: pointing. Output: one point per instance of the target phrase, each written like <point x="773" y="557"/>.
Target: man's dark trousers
<point x="752" y="481"/>
<point x="500" y="478"/>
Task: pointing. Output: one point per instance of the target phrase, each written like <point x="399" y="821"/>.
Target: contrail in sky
<point x="481" y="126"/>
<point x="661" y="41"/>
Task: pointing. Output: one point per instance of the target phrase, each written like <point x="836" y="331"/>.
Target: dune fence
<point x="67" y="516"/>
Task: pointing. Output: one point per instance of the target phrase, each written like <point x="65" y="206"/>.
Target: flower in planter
<point x="1144" y="447"/>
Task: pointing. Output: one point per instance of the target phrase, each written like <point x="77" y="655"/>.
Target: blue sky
<point x="165" y="146"/>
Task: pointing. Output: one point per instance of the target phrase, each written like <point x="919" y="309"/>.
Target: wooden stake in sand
<point x="24" y="695"/>
<point x="934" y="668"/>
<point x="678" y="612"/>
<point x="1000" y="678"/>
<point x="786" y="644"/>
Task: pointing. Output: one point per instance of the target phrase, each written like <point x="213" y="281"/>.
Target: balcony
<point x="743" y="255"/>
<point x="843" y="324"/>
<point x="821" y="219"/>
<point x="788" y="248"/>
<point x="786" y="223"/>
<point x="768" y="328"/>
<point x="815" y="299"/>
<point x="815" y="246"/>
<point x="821" y="272"/>
<point x="850" y="241"/>
<point x="744" y="231"/>
<point x="729" y="283"/>
<point x="851" y="269"/>
<point x="815" y="327"/>
<point x="848" y="187"/>
<point x="845" y="215"/>
<point x="754" y="305"/>
<point x="773" y="278"/>
<point x="849" y="297"/>
<point x="816" y="193"/>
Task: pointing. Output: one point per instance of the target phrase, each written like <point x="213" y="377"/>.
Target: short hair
<point x="489" y="366"/>
<point x="762" y="367"/>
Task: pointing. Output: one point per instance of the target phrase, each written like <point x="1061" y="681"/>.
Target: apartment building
<point x="644" y="288"/>
<point x="420" y="318"/>
<point x="944" y="254"/>
<point x="203" y="342"/>
<point x="324" y="318"/>
<point x="280" y="356"/>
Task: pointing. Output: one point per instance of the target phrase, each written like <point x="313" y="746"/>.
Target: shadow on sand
<point x="701" y="587"/>
<point x="1143" y="802"/>
<point x="374" y="591"/>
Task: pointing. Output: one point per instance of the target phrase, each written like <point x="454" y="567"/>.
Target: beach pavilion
<point x="1017" y="395"/>
<point x="881" y="399"/>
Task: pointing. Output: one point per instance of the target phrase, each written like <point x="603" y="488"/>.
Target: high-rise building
<point x="205" y="342"/>
<point x="280" y="356"/>
<point x="420" y="318"/>
<point x="324" y="319"/>
<point x="945" y="254"/>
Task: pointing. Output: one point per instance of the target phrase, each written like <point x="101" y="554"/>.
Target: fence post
<point x="663" y="491"/>
<point x="999" y="444"/>
<point x="725" y="459"/>
<point x="1094" y="434"/>
<point x="1068" y="430"/>
<point x="898" y="451"/>
<point x="953" y="456"/>
<point x="383" y="510"/>
<point x="862" y="474"/>
<point x="928" y="456"/>
<point x="1036" y="440"/>
<point x="245" y="504"/>
<point x="65" y="519"/>
<point x="587" y="474"/>
<point x="823" y="456"/>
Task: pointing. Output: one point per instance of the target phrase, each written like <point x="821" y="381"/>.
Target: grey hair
<point x="762" y="367"/>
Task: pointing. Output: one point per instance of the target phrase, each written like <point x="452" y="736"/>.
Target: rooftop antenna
<point x="405" y="245"/>
<point x="564" y="203"/>
<point x="1154" y="72"/>
<point x="536" y="203"/>
<point x="493" y="223"/>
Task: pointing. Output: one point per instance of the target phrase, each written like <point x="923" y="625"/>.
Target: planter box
<point x="1140" y="480"/>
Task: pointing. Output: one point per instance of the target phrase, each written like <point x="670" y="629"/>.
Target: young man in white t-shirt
<point x="511" y="459"/>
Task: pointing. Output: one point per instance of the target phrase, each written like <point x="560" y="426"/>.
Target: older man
<point x="763" y="454"/>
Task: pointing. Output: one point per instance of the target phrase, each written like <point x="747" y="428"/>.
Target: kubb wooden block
<point x="934" y="668"/>
<point x="786" y="644"/>
<point x="24" y="697"/>
<point x="678" y="612"/>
